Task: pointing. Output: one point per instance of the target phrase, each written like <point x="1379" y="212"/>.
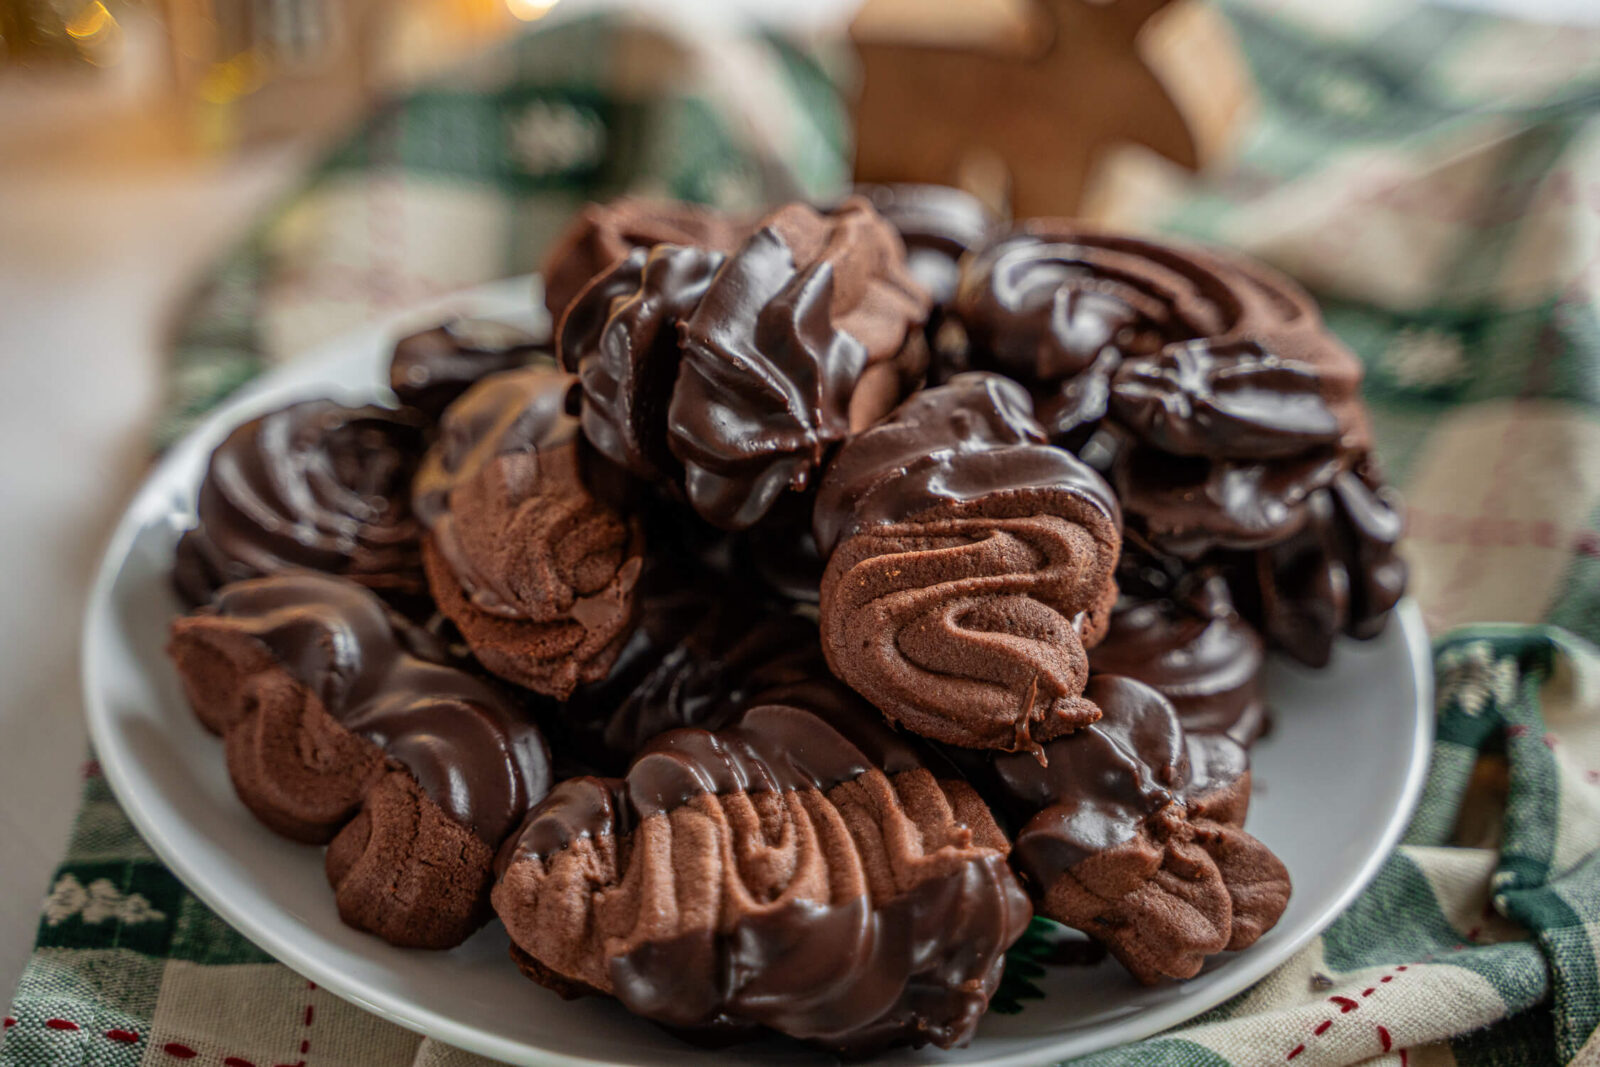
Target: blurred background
<point x="142" y="140"/>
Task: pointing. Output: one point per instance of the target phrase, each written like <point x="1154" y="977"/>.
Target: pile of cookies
<point x="828" y="595"/>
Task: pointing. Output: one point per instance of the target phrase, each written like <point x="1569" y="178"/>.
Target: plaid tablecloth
<point x="1433" y="175"/>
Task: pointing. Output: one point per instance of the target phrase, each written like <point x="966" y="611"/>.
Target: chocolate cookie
<point x="1063" y="309"/>
<point x="535" y="570"/>
<point x="1132" y="834"/>
<point x="801" y="869"/>
<point x="601" y="234"/>
<point x="343" y="723"/>
<point x="1340" y="574"/>
<point x="969" y="564"/>
<point x="938" y="224"/>
<point x="430" y="369"/>
<point x="702" y="647"/>
<point x="809" y="332"/>
<point x="1195" y="650"/>
<point x="620" y="336"/>
<point x="315" y="485"/>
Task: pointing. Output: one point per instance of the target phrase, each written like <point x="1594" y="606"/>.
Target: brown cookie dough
<point x="800" y="870"/>
<point x="535" y="570"/>
<point x="343" y="723"/>
<point x="969" y="563"/>
<point x="1133" y="834"/>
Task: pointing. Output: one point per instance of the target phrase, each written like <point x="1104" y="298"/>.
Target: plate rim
<point x="418" y="1017"/>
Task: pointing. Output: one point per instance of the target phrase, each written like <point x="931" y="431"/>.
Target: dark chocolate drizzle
<point x="971" y="438"/>
<point x="1104" y="780"/>
<point x="938" y="224"/>
<point x="793" y="347"/>
<point x="1197" y="652"/>
<point x="702" y="649"/>
<point x="854" y="975"/>
<point x="432" y="368"/>
<point x="620" y="336"/>
<point x="601" y="234"/>
<point x="314" y="485"/>
<point x="469" y="747"/>
<point x="1339" y="573"/>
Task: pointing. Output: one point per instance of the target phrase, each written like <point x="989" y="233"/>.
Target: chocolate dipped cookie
<point x="1132" y="833"/>
<point x="970" y="565"/>
<point x="728" y="378"/>
<point x="315" y="485"/>
<point x="344" y="724"/>
<point x="601" y="234"/>
<point x="432" y="368"/>
<point x="703" y="646"/>
<point x="801" y="869"/>
<point x="1194" y="649"/>
<point x="533" y="567"/>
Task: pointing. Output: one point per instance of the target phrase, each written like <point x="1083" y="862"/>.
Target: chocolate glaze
<point x="601" y="234"/>
<point x="620" y="336"/>
<point x="800" y="340"/>
<point x="1106" y="779"/>
<point x="430" y="369"/>
<point x="702" y="648"/>
<point x="514" y="426"/>
<point x="1189" y="506"/>
<point x="854" y="974"/>
<point x="314" y="485"/>
<point x="1054" y="302"/>
<point x="472" y="750"/>
<point x="968" y="563"/>
<point x="938" y="224"/>
<point x="1339" y="573"/>
<point x="972" y="438"/>
<point x="1197" y="652"/>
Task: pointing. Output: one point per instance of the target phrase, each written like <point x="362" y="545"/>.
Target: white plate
<point x="1335" y="785"/>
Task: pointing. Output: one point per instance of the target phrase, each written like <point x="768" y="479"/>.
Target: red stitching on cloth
<point x="1383" y="1038"/>
<point x="61" y="1024"/>
<point x="1346" y="1006"/>
<point x="177" y="1051"/>
<point x="308" y="1014"/>
<point x="127" y="1037"/>
<point x="235" y="1061"/>
<point x="7" y="1023"/>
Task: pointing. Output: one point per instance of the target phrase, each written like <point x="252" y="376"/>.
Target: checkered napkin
<point x="1433" y="175"/>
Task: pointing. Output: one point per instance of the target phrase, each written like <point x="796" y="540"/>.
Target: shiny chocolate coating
<point x="875" y="961"/>
<point x="967" y="560"/>
<point x="469" y="747"/>
<point x="1083" y="317"/>
<point x="1103" y="781"/>
<point x="601" y="234"/>
<point x="1195" y="651"/>
<point x="939" y="224"/>
<point x="620" y="336"/>
<point x="702" y="648"/>
<point x="800" y="340"/>
<point x="431" y="368"/>
<point x="314" y="485"/>
<point x="1340" y="573"/>
<point x="953" y="445"/>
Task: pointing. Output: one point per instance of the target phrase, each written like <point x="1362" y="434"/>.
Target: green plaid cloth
<point x="1433" y="175"/>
